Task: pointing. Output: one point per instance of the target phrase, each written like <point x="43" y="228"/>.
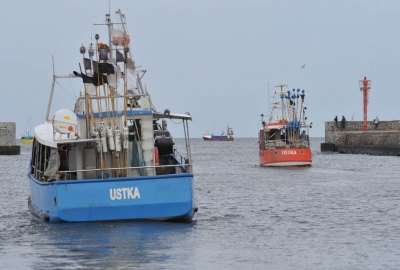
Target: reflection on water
<point x="112" y="244"/>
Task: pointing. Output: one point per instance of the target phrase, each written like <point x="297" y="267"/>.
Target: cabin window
<point x="40" y="159"/>
<point x="48" y="162"/>
<point x="274" y="134"/>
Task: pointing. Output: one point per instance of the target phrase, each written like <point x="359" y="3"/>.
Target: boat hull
<point x="27" y="140"/>
<point x="285" y="157"/>
<point x="165" y="197"/>
<point x="217" y="138"/>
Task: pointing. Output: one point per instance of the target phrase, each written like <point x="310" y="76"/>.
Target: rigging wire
<point x="74" y="98"/>
<point x="72" y="87"/>
<point x="174" y="122"/>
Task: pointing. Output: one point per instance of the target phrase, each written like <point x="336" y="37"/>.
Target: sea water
<point x="343" y="212"/>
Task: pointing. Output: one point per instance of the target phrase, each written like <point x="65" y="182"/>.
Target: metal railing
<point x="277" y="144"/>
<point x="104" y="173"/>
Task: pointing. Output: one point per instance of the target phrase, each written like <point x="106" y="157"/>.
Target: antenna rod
<point x="268" y="100"/>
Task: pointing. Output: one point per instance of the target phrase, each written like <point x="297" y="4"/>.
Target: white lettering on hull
<point x="289" y="152"/>
<point x="124" y="193"/>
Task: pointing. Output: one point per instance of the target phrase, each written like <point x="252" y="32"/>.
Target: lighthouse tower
<point x="365" y="86"/>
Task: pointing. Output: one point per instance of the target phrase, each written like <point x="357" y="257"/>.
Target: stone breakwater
<point x="8" y="139"/>
<point x="383" y="139"/>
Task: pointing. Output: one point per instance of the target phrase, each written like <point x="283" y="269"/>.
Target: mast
<point x="122" y="17"/>
<point x="109" y="25"/>
<point x="70" y="76"/>
<point x="268" y="101"/>
<point x="123" y="24"/>
<point x="282" y="95"/>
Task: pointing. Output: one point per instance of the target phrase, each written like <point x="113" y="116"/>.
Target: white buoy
<point x="102" y="135"/>
<point x="125" y="138"/>
<point x="117" y="140"/>
<point x="95" y="135"/>
<point x="110" y="136"/>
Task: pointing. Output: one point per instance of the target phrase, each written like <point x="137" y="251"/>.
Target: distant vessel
<point x="110" y="158"/>
<point x="27" y="138"/>
<point x="225" y="136"/>
<point x="284" y="139"/>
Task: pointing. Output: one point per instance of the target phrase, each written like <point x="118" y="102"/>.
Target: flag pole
<point x="125" y="99"/>
<point x="99" y="132"/>
<point x="82" y="50"/>
<point x="102" y="131"/>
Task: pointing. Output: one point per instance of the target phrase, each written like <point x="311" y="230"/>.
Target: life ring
<point x="156" y="157"/>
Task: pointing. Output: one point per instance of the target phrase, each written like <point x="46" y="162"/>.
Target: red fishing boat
<point x="284" y="139"/>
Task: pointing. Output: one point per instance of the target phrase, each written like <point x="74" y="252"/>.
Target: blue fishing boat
<point x="112" y="157"/>
<point x="225" y="136"/>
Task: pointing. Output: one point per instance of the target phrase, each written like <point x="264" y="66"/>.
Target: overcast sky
<point x="212" y="58"/>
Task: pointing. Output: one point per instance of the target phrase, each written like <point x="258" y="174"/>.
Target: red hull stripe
<point x="288" y="156"/>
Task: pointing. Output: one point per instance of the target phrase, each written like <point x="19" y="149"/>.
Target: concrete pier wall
<point x="381" y="140"/>
<point x="8" y="139"/>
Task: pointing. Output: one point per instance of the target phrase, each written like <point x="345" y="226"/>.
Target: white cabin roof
<point x="44" y="134"/>
<point x="172" y="116"/>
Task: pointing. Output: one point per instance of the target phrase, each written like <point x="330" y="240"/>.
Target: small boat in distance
<point x="27" y="138"/>
<point x="112" y="157"/>
<point x="284" y="139"/>
<point x="225" y="136"/>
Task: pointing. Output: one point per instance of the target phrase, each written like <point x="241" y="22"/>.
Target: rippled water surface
<point x="341" y="213"/>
